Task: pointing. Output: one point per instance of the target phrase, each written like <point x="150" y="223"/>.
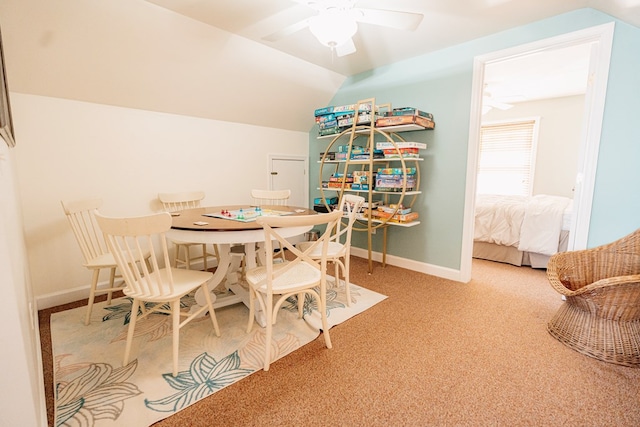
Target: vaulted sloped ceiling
<point x="445" y="23"/>
<point x="208" y="58"/>
<point x="134" y="54"/>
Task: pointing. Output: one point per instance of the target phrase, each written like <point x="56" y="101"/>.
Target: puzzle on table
<point x="247" y="214"/>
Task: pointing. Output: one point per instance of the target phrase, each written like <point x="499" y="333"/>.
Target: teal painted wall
<point x="616" y="205"/>
<point x="440" y="83"/>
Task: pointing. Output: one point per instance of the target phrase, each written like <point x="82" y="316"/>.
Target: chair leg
<point x="204" y="256"/>
<point x="177" y="256"/>
<point x="175" y="317"/>
<point x="187" y="257"/>
<point x="345" y="266"/>
<point x="132" y="327"/>
<point x="322" y="306"/>
<point x="212" y="313"/>
<point x="301" y="296"/>
<point x="269" y="331"/>
<point x="336" y="274"/>
<point x="252" y="296"/>
<point x="112" y="280"/>
<point x="92" y="294"/>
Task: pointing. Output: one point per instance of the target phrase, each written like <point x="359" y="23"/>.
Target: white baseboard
<point x="81" y="292"/>
<point x="421" y="267"/>
<point x="64" y="297"/>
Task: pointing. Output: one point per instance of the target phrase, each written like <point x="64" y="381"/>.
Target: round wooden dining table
<point x="202" y="225"/>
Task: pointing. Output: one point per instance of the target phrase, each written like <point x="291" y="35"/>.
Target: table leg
<point x="224" y="253"/>
<point x="226" y="270"/>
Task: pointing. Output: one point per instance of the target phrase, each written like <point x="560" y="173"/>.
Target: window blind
<point x="505" y="164"/>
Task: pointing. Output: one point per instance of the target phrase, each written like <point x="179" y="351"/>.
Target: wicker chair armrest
<point x="623" y="283"/>
<point x="616" y="298"/>
<point x="577" y="269"/>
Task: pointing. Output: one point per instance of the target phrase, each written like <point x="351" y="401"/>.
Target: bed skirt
<point x="511" y="254"/>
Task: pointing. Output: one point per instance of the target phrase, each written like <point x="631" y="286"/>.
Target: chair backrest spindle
<point x="81" y="217"/>
<point x="270" y="197"/>
<point x="172" y="202"/>
<point x="130" y="239"/>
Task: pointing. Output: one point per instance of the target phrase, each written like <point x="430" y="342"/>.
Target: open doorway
<point x="598" y="39"/>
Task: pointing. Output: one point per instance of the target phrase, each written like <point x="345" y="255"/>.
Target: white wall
<point x="71" y="150"/>
<point x="558" y="140"/>
<point x="21" y="378"/>
<point x="133" y="53"/>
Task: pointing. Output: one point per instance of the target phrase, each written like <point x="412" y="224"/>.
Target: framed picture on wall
<point x="6" y="122"/>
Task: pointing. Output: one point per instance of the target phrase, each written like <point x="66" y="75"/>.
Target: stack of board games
<point x="393" y="179"/>
<point x="339" y="180"/>
<point x="332" y="120"/>
<point x="406" y="116"/>
<point x="320" y="204"/>
<point x="401" y="149"/>
<point x="394" y="213"/>
<point x="361" y="180"/>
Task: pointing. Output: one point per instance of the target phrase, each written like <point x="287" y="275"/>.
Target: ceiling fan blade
<point x="495" y="104"/>
<point x="286" y="31"/>
<point x="346" y="48"/>
<point x="501" y="105"/>
<point x="389" y="18"/>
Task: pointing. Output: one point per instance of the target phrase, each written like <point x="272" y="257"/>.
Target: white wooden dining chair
<point x="174" y="203"/>
<point x="271" y="198"/>
<point x="301" y="275"/>
<point x="128" y="239"/>
<point x="339" y="252"/>
<point x="81" y="217"/>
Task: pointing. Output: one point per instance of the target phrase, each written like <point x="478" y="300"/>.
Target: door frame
<point x="602" y="36"/>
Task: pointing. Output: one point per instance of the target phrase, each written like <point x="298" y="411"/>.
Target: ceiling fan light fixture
<point x="333" y="29"/>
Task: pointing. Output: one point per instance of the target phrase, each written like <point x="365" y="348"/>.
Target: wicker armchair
<point x="601" y="315"/>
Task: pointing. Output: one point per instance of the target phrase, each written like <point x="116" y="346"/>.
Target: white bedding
<point x="531" y="224"/>
<point x="542" y="223"/>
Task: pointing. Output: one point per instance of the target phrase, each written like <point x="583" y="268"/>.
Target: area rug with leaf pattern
<point x="93" y="388"/>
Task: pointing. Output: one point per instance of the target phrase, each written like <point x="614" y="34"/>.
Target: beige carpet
<point x="435" y="352"/>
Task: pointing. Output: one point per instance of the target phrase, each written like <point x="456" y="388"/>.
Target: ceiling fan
<point x="335" y="22"/>
<point x="489" y="102"/>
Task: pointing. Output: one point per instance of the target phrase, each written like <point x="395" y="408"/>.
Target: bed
<point x="521" y="230"/>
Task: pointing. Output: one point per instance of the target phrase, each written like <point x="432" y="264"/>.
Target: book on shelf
<point x="394" y="209"/>
<point x="410" y="111"/>
<point x="377" y="214"/>
<point x="392" y="153"/>
<point x="386" y="145"/>
<point x="405" y="120"/>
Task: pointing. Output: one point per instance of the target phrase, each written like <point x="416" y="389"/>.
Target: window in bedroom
<point x="507" y="157"/>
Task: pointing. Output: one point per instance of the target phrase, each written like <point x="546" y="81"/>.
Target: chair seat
<point x="182" y="242"/>
<point x="301" y="275"/>
<point x="184" y="282"/>
<point x="105" y="260"/>
<point x="334" y="250"/>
